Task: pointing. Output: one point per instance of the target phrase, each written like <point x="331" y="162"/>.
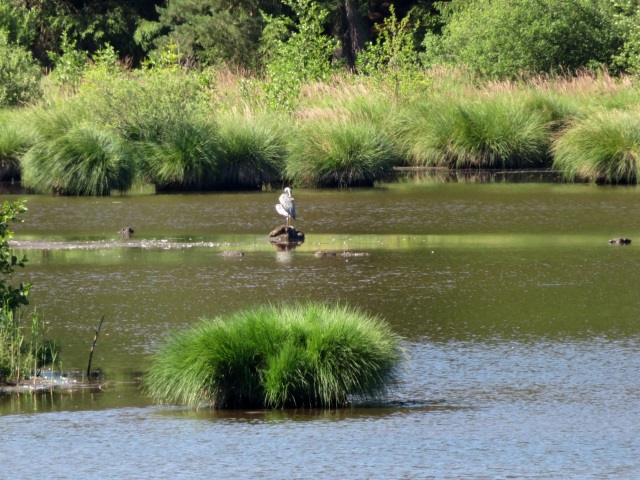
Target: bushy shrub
<point x="19" y="74"/>
<point x="504" y="38"/>
<point x="306" y="355"/>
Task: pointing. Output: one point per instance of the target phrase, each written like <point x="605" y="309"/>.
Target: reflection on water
<point x="520" y="320"/>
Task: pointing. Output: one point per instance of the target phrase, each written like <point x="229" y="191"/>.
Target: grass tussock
<point x="14" y="142"/>
<point x="252" y="151"/>
<point x="486" y="133"/>
<point x="71" y="155"/>
<point x="604" y="148"/>
<point x="305" y="355"/>
<point x="185" y="158"/>
<point x="338" y="153"/>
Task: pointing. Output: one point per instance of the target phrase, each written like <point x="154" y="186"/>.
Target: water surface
<point x="520" y="320"/>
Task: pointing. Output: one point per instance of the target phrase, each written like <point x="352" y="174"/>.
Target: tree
<point x="295" y="51"/>
<point x="208" y="31"/>
<point x="628" y="20"/>
<point x="503" y="38"/>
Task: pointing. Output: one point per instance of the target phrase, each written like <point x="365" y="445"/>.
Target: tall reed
<point x="603" y="147"/>
<point x="304" y="355"/>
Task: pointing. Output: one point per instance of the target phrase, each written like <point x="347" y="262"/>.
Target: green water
<point x="521" y="320"/>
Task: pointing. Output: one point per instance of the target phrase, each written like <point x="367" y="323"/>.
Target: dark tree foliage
<point x="91" y="23"/>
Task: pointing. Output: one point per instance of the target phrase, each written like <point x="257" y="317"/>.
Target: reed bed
<point x="604" y="148"/>
<point x="304" y="355"/>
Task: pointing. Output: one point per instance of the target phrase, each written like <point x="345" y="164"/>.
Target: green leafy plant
<point x="295" y="52"/>
<point x="506" y="38"/>
<point x="393" y="58"/>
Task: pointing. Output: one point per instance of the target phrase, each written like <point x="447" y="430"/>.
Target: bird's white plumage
<point x="287" y="207"/>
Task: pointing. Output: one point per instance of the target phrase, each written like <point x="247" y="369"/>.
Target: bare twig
<point x="95" y="339"/>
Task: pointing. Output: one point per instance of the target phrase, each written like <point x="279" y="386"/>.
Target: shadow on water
<point x="360" y="413"/>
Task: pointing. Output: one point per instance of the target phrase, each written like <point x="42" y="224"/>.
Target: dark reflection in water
<point x="520" y="320"/>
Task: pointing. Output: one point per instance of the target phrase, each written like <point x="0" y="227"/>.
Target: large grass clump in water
<point x="603" y="147"/>
<point x="71" y="156"/>
<point x="305" y="355"/>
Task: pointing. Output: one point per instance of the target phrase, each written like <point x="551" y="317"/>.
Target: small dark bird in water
<point x="620" y="241"/>
<point x="126" y="232"/>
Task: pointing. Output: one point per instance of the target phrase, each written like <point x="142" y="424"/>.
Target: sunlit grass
<point x="304" y="355"/>
<point x="14" y="142"/>
<point x="86" y="160"/>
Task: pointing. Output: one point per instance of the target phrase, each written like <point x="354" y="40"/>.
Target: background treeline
<point x="211" y="94"/>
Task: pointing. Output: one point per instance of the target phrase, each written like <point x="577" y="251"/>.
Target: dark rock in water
<point x="284" y="234"/>
<point x="325" y="253"/>
<point x="354" y="254"/>
<point x="620" y="241"/>
<point x="232" y="253"/>
<point x="126" y="232"/>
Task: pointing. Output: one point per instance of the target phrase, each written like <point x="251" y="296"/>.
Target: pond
<point x="520" y="320"/>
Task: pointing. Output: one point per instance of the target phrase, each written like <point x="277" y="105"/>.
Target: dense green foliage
<point x="338" y="153"/>
<point x="307" y="355"/>
<point x="428" y="83"/>
<point x="19" y="75"/>
<point x="501" y="38"/>
<point x="488" y="132"/>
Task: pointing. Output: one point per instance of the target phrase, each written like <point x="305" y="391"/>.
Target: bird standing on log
<point x="287" y="207"/>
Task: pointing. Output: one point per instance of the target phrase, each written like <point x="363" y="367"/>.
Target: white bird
<point x="287" y="207"/>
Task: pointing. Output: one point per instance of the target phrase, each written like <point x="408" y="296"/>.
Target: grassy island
<point x="304" y="356"/>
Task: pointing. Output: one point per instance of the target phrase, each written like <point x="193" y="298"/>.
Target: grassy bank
<point x="184" y="130"/>
<point x="307" y="355"/>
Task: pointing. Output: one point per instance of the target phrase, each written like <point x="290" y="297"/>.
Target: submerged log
<point x="285" y="234"/>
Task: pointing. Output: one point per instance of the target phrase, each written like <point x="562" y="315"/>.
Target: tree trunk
<point x="355" y="33"/>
